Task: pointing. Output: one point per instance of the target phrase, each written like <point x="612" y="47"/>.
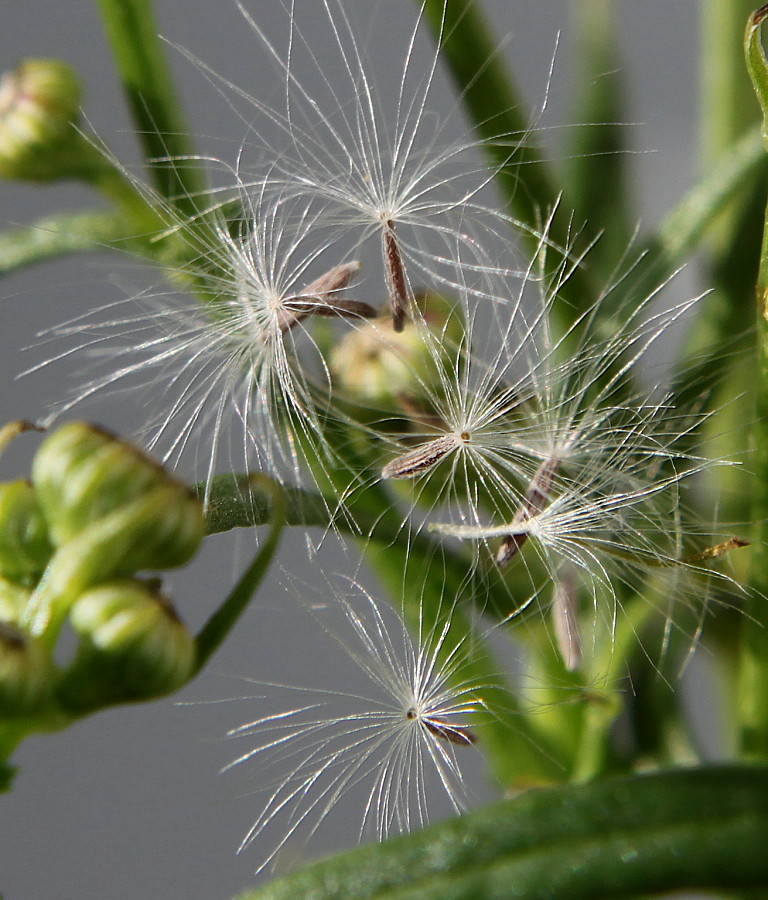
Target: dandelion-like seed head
<point x="548" y="456"/>
<point x="233" y="372"/>
<point x="382" y="170"/>
<point x="394" y="744"/>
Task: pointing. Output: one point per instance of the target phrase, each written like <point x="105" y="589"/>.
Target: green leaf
<point x="65" y="233"/>
<point x="702" y="828"/>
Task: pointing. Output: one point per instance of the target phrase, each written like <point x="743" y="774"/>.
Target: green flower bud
<point x="374" y="364"/>
<point x="132" y="647"/>
<point x="111" y="512"/>
<point x="25" y="673"/>
<point x="13" y="600"/>
<point x="25" y="547"/>
<point x="82" y="473"/>
<point x="39" y="107"/>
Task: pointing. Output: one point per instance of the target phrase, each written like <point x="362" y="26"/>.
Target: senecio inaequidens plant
<point x="455" y="358"/>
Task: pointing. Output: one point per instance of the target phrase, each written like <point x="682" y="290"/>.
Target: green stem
<point x="754" y="660"/>
<point x="608" y="668"/>
<point x="496" y="110"/>
<point x="597" y="163"/>
<point x="241" y="501"/>
<point x="726" y="105"/>
<point x="623" y="837"/>
<point x="218" y="626"/>
<point x="132" y="33"/>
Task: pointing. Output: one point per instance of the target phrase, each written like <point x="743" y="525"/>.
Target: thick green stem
<point x="626" y="837"/>
<point x="754" y="662"/>
<point x="132" y="33"/>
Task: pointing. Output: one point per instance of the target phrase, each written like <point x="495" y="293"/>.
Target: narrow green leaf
<point x="59" y="235"/>
<point x="701" y="828"/>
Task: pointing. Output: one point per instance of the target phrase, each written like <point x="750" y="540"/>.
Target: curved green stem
<point x="221" y="622"/>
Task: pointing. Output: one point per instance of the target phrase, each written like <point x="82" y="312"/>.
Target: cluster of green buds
<point x="73" y="538"/>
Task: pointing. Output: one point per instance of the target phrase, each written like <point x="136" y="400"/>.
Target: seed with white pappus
<point x="423" y="458"/>
<point x="319" y="299"/>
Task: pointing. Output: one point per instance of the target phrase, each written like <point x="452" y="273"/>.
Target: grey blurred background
<point x="128" y="803"/>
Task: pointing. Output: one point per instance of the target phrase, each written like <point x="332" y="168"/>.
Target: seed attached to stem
<point x="319" y="299"/>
